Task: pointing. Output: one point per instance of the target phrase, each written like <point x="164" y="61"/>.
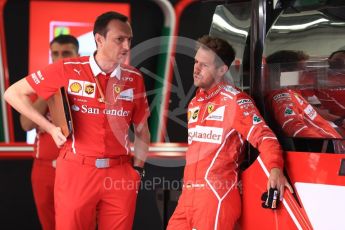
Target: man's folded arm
<point x="18" y="96"/>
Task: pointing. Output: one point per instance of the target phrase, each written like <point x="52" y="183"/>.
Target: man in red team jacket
<point x="221" y="118"/>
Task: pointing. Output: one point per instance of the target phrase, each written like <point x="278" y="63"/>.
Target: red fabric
<point x="82" y="191"/>
<point x="333" y="99"/>
<point x="42" y="179"/>
<point x="43" y="176"/>
<point x="219" y="123"/>
<point x="99" y="129"/>
<point x="297" y="117"/>
<point x="203" y="214"/>
<point x="45" y="147"/>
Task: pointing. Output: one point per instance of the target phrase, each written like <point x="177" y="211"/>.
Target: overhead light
<point x="300" y="26"/>
<point x="222" y="23"/>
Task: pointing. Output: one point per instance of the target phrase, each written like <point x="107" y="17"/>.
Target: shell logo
<point x="89" y="89"/>
<point x="75" y="87"/>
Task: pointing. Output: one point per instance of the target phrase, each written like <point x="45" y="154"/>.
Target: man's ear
<point x="223" y="69"/>
<point x="99" y="39"/>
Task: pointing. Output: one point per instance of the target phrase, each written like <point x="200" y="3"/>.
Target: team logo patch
<point x="217" y="115"/>
<point x="289" y="112"/>
<point x="193" y="114"/>
<point x="300" y="100"/>
<point x="120" y="92"/>
<point x="127" y="79"/>
<point x="231" y="90"/>
<point x="256" y="119"/>
<point x="77" y="71"/>
<point x="244" y="101"/>
<point x="126" y="95"/>
<point x="89" y="89"/>
<point x="81" y="88"/>
<point x="75" y="108"/>
<point x="210" y="108"/>
<point x="75" y="87"/>
<point x="205" y="134"/>
<point x="280" y="96"/>
<point x="118" y="112"/>
<point x="310" y="111"/>
<point x="37" y="77"/>
<point x="117" y="89"/>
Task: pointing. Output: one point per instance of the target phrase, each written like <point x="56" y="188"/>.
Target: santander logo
<point x="205" y="134"/>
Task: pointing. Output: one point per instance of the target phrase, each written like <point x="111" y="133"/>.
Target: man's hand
<point x="279" y="181"/>
<point x="141" y="144"/>
<point x="57" y="136"/>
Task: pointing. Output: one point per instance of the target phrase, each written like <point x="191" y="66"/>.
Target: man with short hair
<point x="96" y="173"/>
<point x="220" y="119"/>
<point x="64" y="46"/>
<point x="46" y="152"/>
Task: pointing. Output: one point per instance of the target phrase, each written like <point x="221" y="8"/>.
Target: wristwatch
<point x="140" y="170"/>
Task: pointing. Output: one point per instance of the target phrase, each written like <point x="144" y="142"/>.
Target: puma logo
<point x="77" y="71"/>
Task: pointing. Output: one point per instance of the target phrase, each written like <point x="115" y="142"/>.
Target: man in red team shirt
<point x="46" y="152"/>
<point x="220" y="119"/>
<point x="95" y="172"/>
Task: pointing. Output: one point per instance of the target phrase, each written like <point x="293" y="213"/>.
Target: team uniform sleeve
<point x="47" y="80"/>
<point x="250" y="124"/>
<point x="289" y="117"/>
<point x="141" y="108"/>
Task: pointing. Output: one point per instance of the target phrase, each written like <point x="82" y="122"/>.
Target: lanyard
<point x="102" y="98"/>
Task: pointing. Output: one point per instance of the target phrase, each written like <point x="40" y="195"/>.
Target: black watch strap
<point x="140" y="170"/>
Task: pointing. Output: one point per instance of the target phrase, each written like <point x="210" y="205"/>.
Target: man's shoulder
<point x="130" y="70"/>
<point x="233" y="92"/>
<point x="280" y="93"/>
<point x="74" y="61"/>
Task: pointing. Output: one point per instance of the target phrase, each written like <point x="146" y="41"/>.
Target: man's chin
<point x="122" y="59"/>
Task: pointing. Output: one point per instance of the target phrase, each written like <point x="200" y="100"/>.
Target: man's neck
<point x="104" y="65"/>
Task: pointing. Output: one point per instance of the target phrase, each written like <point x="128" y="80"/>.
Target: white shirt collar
<point x="96" y="70"/>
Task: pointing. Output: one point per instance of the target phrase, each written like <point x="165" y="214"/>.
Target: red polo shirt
<point x="100" y="129"/>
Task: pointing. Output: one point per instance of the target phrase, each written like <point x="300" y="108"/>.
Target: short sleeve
<point x="47" y="80"/>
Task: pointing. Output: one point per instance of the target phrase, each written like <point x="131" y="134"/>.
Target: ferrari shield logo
<point x="210" y="108"/>
<point x="117" y="89"/>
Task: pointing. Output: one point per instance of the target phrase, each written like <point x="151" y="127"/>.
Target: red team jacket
<point x="297" y="117"/>
<point x="220" y="121"/>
